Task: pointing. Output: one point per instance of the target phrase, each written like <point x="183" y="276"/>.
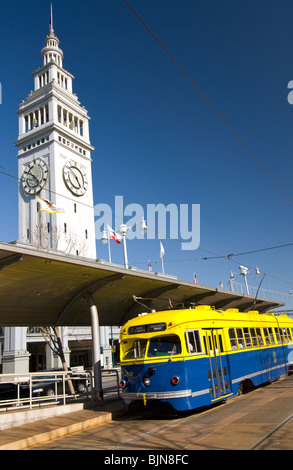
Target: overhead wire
<point x="226" y="257"/>
<point x="232" y="255"/>
<point x="163" y="235"/>
<point x="44" y="189"/>
<point x="209" y="102"/>
<point x="114" y="215"/>
<point x="215" y="256"/>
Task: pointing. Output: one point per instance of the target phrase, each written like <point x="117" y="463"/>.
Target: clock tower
<point x="54" y="161"/>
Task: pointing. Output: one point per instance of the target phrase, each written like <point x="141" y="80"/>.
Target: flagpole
<point x="162" y="252"/>
<point x="109" y="247"/>
<point x="125" y="251"/>
<point x="109" y="242"/>
<point x="52" y="29"/>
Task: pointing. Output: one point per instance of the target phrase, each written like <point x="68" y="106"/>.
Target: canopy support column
<point x="98" y="391"/>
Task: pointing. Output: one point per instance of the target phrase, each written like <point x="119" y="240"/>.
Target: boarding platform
<point x="65" y="420"/>
<point x="261" y="419"/>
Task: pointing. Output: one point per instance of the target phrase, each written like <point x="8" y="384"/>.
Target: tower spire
<point x="51" y="30"/>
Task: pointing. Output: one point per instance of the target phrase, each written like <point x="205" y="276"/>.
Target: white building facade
<point x="54" y="157"/>
<point x="54" y="163"/>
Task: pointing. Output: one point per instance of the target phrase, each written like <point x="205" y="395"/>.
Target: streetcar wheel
<point x="81" y="388"/>
<point x="240" y="389"/>
<point x="245" y="386"/>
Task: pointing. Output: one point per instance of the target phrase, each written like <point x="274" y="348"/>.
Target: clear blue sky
<point x="156" y="139"/>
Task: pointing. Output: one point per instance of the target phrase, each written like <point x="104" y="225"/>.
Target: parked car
<point x="47" y="384"/>
<point x="14" y="391"/>
<point x="9" y="391"/>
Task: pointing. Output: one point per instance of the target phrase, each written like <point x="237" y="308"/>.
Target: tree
<point x="53" y="338"/>
<point x="47" y="237"/>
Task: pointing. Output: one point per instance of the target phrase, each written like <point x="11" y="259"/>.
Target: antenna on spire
<point x="51" y="30"/>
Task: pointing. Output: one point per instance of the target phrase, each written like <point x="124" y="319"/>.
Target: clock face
<point x="35" y="176"/>
<point x="75" y="178"/>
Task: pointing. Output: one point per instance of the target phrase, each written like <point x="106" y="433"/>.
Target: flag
<point x="195" y="280"/>
<point x="51" y="30"/>
<point x="221" y="285"/>
<point x="48" y="206"/>
<point x="150" y="267"/>
<point x="162" y="251"/>
<point x="114" y="235"/>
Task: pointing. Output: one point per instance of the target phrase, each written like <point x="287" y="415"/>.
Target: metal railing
<point x="31" y="390"/>
<point x="284" y="297"/>
<point x="109" y="386"/>
<point x="43" y="388"/>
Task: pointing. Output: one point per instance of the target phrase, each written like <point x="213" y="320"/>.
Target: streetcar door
<point x="218" y="373"/>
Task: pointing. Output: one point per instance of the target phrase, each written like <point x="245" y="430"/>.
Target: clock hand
<point x="76" y="177"/>
<point x="30" y="173"/>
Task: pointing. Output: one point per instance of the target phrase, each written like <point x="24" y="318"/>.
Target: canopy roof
<point x="40" y="288"/>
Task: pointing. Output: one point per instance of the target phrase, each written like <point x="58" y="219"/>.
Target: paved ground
<point x="38" y="432"/>
<point x="262" y="419"/>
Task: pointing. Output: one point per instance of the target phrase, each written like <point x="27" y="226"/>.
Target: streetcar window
<point x="286" y="335"/>
<point x="240" y="337"/>
<point x="259" y="336"/>
<point x="205" y="344"/>
<point x="137" y="349"/>
<point x="283" y="335"/>
<point x="272" y="335"/>
<point x="193" y="343"/>
<point x="138" y="329"/>
<point x="221" y="343"/>
<point x="267" y="336"/>
<point x="233" y="339"/>
<point x="164" y="346"/>
<point x="253" y="337"/>
<point x="247" y="337"/>
<point x="277" y="335"/>
<point x="289" y="334"/>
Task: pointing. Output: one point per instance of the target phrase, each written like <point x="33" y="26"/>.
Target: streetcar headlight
<point x="151" y="371"/>
<point x="175" y="380"/>
<point x="146" y="381"/>
<point x="122" y="383"/>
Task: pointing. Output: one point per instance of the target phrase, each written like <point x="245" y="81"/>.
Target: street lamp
<point x="105" y="240"/>
<point x="244" y="272"/>
<point x="231" y="281"/>
<point x="123" y="229"/>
